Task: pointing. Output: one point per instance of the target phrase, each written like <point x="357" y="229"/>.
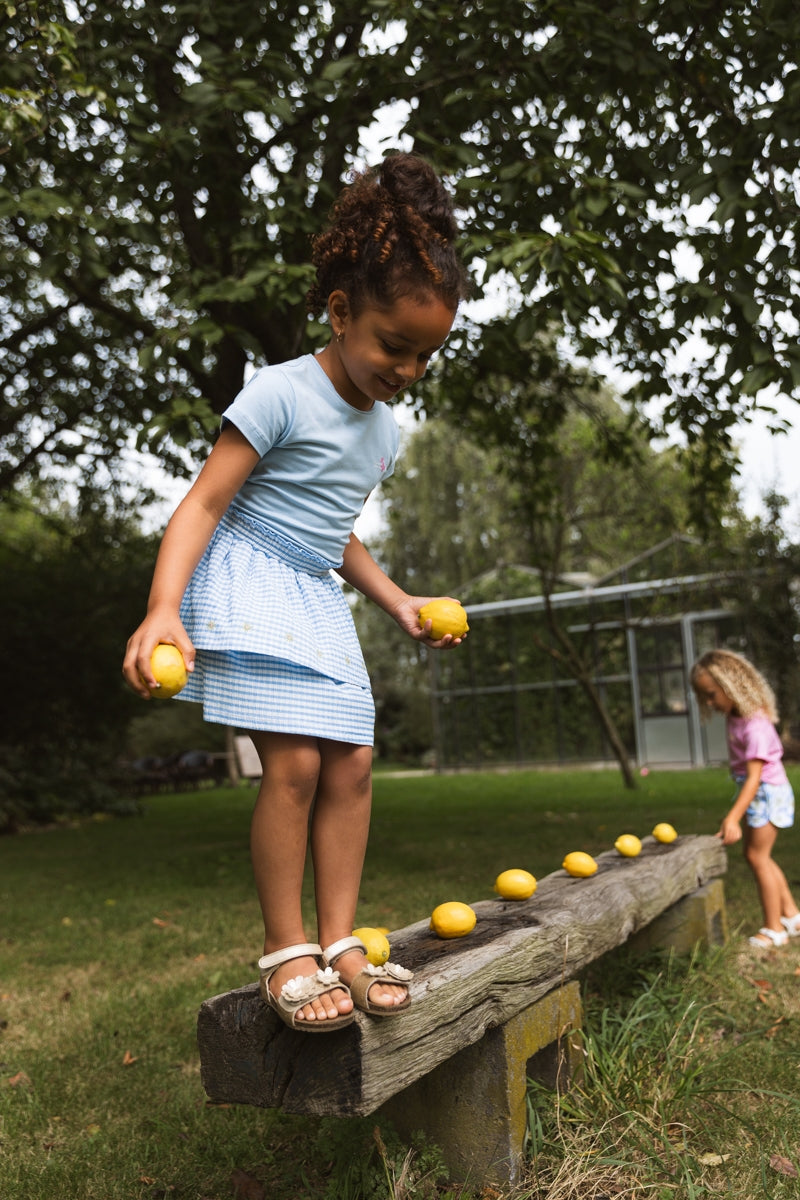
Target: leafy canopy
<point x="627" y="173"/>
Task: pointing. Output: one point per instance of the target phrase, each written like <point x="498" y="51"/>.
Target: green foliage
<point x="487" y="512"/>
<point x="629" y="172"/>
<point x="72" y="584"/>
<point x="769" y="607"/>
<point x="445" y="512"/>
<point x="162" y="729"/>
<point x="467" y="519"/>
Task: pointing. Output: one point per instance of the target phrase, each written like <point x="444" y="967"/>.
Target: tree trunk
<point x="571" y="658"/>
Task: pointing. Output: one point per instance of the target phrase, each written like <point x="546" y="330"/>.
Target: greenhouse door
<point x="668" y="726"/>
<point x="664" y="732"/>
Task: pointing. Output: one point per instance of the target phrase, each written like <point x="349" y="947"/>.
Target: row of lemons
<point x="455" y="919"/>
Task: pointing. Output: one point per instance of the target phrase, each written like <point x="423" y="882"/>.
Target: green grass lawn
<point x="114" y="931"/>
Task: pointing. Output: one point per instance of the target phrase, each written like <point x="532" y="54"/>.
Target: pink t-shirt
<point x="755" y="737"/>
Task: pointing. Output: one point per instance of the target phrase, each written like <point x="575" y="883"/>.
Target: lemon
<point x="453" y="919"/>
<point x="515" y="884"/>
<point x="628" y="845"/>
<point x="447" y="616"/>
<point x="664" y="832"/>
<point x="169" y="669"/>
<point x="376" y="943"/>
<point x="580" y="864"/>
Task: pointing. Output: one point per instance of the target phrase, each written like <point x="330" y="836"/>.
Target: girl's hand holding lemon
<point x="443" y="626"/>
<point x="158" y="668"/>
<point x="169" y="671"/>
<point x="443" y="621"/>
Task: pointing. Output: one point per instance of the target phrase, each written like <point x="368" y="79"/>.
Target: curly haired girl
<point x="243" y="583"/>
<point x="728" y="683"/>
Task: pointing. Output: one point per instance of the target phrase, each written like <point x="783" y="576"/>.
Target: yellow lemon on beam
<point x="664" y="832"/>
<point x="579" y="864"/>
<point x="169" y="670"/>
<point x="453" y="919"/>
<point x="376" y="943"/>
<point x="515" y="884"/>
<point x="447" y="616"/>
<point x="628" y="845"/>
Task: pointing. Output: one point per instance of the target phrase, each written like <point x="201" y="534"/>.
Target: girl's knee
<point x="758" y="858"/>
<point x="292" y="773"/>
<point x="354" y="761"/>
<point x="362" y="771"/>
<point x="355" y="782"/>
<point x="759" y="842"/>
<point x="348" y="774"/>
<point x="361" y="767"/>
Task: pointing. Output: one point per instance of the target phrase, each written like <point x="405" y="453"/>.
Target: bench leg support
<point x="699" y="918"/>
<point x="473" y="1106"/>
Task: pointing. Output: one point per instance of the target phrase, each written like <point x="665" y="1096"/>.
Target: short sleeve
<point x="759" y="740"/>
<point x="264" y="410"/>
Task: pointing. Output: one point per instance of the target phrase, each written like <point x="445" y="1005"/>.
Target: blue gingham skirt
<point x="276" y="645"/>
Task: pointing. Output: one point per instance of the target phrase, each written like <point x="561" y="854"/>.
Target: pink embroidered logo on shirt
<point x="382" y="464"/>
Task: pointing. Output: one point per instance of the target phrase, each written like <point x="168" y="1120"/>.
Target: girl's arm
<point x="185" y="539"/>
<point x="731" y="828"/>
<point x="360" y="569"/>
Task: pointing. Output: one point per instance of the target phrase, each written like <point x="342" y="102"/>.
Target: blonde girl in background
<point x="728" y="683"/>
<point x="243" y="583"/>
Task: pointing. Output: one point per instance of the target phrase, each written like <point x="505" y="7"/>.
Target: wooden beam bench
<point x="489" y="1010"/>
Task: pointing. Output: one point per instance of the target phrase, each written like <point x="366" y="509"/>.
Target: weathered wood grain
<point x="518" y="951"/>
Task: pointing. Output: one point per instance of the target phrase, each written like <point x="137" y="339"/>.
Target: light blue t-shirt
<point x="320" y="457"/>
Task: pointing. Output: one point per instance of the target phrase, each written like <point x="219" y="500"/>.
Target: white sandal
<point x="298" y="992"/>
<point x="792" y="925"/>
<point x="361" y="984"/>
<point x="778" y="937"/>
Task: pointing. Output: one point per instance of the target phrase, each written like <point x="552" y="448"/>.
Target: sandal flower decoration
<point x="307" y="987"/>
<point x="392" y="970"/>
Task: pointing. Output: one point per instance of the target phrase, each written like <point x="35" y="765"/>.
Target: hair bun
<point x="410" y="180"/>
<point x="391" y="233"/>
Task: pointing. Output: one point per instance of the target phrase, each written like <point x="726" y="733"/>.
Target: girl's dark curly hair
<point x="390" y="235"/>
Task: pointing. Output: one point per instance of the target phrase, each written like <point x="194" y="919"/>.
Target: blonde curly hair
<point x="739" y="680"/>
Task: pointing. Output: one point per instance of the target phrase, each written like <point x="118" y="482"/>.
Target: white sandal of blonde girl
<point x="298" y="992"/>
<point x="387" y="973"/>
<point x="778" y="937"/>
<point x="792" y="925"/>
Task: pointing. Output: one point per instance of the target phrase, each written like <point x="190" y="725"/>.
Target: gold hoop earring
<point x="340" y="336"/>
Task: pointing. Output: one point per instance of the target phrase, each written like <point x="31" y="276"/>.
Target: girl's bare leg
<point x="773" y="890"/>
<point x="278" y="842"/>
<point x="339" y="830"/>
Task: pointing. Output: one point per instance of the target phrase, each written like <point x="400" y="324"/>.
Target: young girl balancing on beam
<point x="243" y="584"/>
<point x="727" y="683"/>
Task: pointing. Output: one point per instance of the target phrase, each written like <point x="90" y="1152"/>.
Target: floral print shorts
<point x="773" y="804"/>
